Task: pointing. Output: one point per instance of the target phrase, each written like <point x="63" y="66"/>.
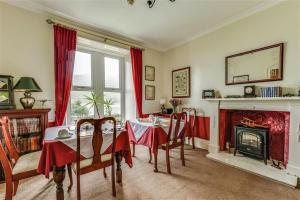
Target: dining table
<point x="57" y="153"/>
<point x="144" y="131"/>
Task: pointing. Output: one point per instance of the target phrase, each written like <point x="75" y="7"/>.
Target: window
<point x="100" y="74"/>
<point x="111" y="70"/>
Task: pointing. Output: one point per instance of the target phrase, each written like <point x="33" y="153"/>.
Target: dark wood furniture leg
<point x="119" y="170"/>
<point x="168" y="159"/>
<point x="133" y="149"/>
<point x="150" y="155"/>
<point x="59" y="174"/>
<point x="193" y="142"/>
<point x="155" y="160"/>
<point x="182" y="153"/>
<point x="70" y="177"/>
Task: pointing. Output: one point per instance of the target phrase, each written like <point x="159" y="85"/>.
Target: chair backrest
<point x="97" y="140"/>
<point x="179" y="118"/>
<point x="13" y="152"/>
<point x="6" y="165"/>
<point x="191" y="117"/>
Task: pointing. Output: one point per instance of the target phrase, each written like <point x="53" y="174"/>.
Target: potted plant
<point x="107" y="103"/>
<point x="94" y="100"/>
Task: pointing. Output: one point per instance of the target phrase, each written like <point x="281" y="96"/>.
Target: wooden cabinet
<point x="27" y="127"/>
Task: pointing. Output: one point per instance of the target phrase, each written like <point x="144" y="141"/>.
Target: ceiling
<point x="162" y="27"/>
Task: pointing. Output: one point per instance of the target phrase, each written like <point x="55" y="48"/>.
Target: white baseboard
<point x="213" y="148"/>
<point x="199" y="143"/>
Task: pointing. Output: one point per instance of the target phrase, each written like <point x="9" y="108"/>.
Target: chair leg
<point x="78" y="185"/>
<point x="70" y="177"/>
<point x="193" y="142"/>
<point x="150" y="155"/>
<point x="155" y="160"/>
<point x="16" y="184"/>
<point x="182" y="154"/>
<point x="9" y="189"/>
<point x="168" y="160"/>
<point x="113" y="181"/>
<point x="104" y="173"/>
<point x="133" y="149"/>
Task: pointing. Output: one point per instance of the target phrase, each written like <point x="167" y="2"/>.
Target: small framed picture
<point x="149" y="92"/>
<point x="206" y="94"/>
<point x="6" y="92"/>
<point x="181" y="83"/>
<point x="149" y="73"/>
<point x="240" y="79"/>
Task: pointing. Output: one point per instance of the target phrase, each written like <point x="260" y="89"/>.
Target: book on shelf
<point x="24" y="126"/>
<point x="26" y="133"/>
<point x="29" y="144"/>
<point x="271" y="92"/>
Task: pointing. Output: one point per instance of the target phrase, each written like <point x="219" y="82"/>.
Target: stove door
<point x="250" y="142"/>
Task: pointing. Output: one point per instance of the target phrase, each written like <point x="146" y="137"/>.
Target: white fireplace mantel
<point x="288" y="104"/>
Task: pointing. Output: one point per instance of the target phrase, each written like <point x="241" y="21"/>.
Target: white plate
<point x="64" y="137"/>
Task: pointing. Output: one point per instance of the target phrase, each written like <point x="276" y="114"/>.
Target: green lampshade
<point x="27" y="84"/>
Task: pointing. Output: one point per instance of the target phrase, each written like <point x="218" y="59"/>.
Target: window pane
<point x="82" y="75"/>
<point x="111" y="72"/>
<point x="112" y="104"/>
<point x="79" y="107"/>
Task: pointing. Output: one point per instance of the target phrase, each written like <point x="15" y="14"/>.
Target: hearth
<point x="252" y="142"/>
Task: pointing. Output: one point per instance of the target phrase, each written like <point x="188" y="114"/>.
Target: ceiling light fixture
<point x="150" y="3"/>
<point x="130" y="2"/>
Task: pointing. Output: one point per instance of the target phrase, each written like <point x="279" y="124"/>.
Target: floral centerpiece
<point x="175" y="103"/>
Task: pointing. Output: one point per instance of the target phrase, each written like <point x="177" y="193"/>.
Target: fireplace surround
<point x="290" y="106"/>
<point x="278" y="123"/>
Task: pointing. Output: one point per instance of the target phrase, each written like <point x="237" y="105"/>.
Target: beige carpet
<point x="200" y="179"/>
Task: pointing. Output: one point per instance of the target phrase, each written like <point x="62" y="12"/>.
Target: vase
<point x="174" y="109"/>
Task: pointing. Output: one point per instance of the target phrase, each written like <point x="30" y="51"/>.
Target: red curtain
<point x="64" y="55"/>
<point x="137" y="74"/>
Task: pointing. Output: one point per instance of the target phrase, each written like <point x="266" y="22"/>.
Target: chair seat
<point x="88" y="162"/>
<point x="171" y="142"/>
<point x="27" y="163"/>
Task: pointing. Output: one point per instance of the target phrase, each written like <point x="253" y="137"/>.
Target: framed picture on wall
<point x="149" y="92"/>
<point x="181" y="83"/>
<point x="6" y="92"/>
<point x="149" y="73"/>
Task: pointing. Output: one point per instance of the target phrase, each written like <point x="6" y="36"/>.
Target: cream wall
<point x="26" y="49"/>
<point x="26" y="46"/>
<point x="153" y="58"/>
<point x="206" y="55"/>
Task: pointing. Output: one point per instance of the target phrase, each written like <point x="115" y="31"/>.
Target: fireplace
<point x="252" y="142"/>
<point x="278" y="123"/>
<point x="282" y="118"/>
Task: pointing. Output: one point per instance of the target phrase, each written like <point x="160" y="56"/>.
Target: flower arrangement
<point x="175" y="103"/>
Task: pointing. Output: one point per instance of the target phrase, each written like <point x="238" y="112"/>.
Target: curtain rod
<point x="91" y="32"/>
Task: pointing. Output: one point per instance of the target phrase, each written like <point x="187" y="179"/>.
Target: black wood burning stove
<point x="252" y="142"/>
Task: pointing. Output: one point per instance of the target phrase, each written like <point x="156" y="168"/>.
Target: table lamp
<point x="27" y="85"/>
<point x="162" y="102"/>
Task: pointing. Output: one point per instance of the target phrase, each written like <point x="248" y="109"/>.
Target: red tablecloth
<point x="56" y="153"/>
<point x="153" y="137"/>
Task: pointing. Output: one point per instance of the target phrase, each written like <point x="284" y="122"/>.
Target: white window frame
<point x="98" y="82"/>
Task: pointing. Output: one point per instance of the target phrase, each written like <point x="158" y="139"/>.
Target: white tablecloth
<point x="139" y="128"/>
<point x="85" y="141"/>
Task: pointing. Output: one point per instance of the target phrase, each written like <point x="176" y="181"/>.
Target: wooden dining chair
<point x="175" y="138"/>
<point x="16" y="167"/>
<point x="191" y="121"/>
<point x="98" y="161"/>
